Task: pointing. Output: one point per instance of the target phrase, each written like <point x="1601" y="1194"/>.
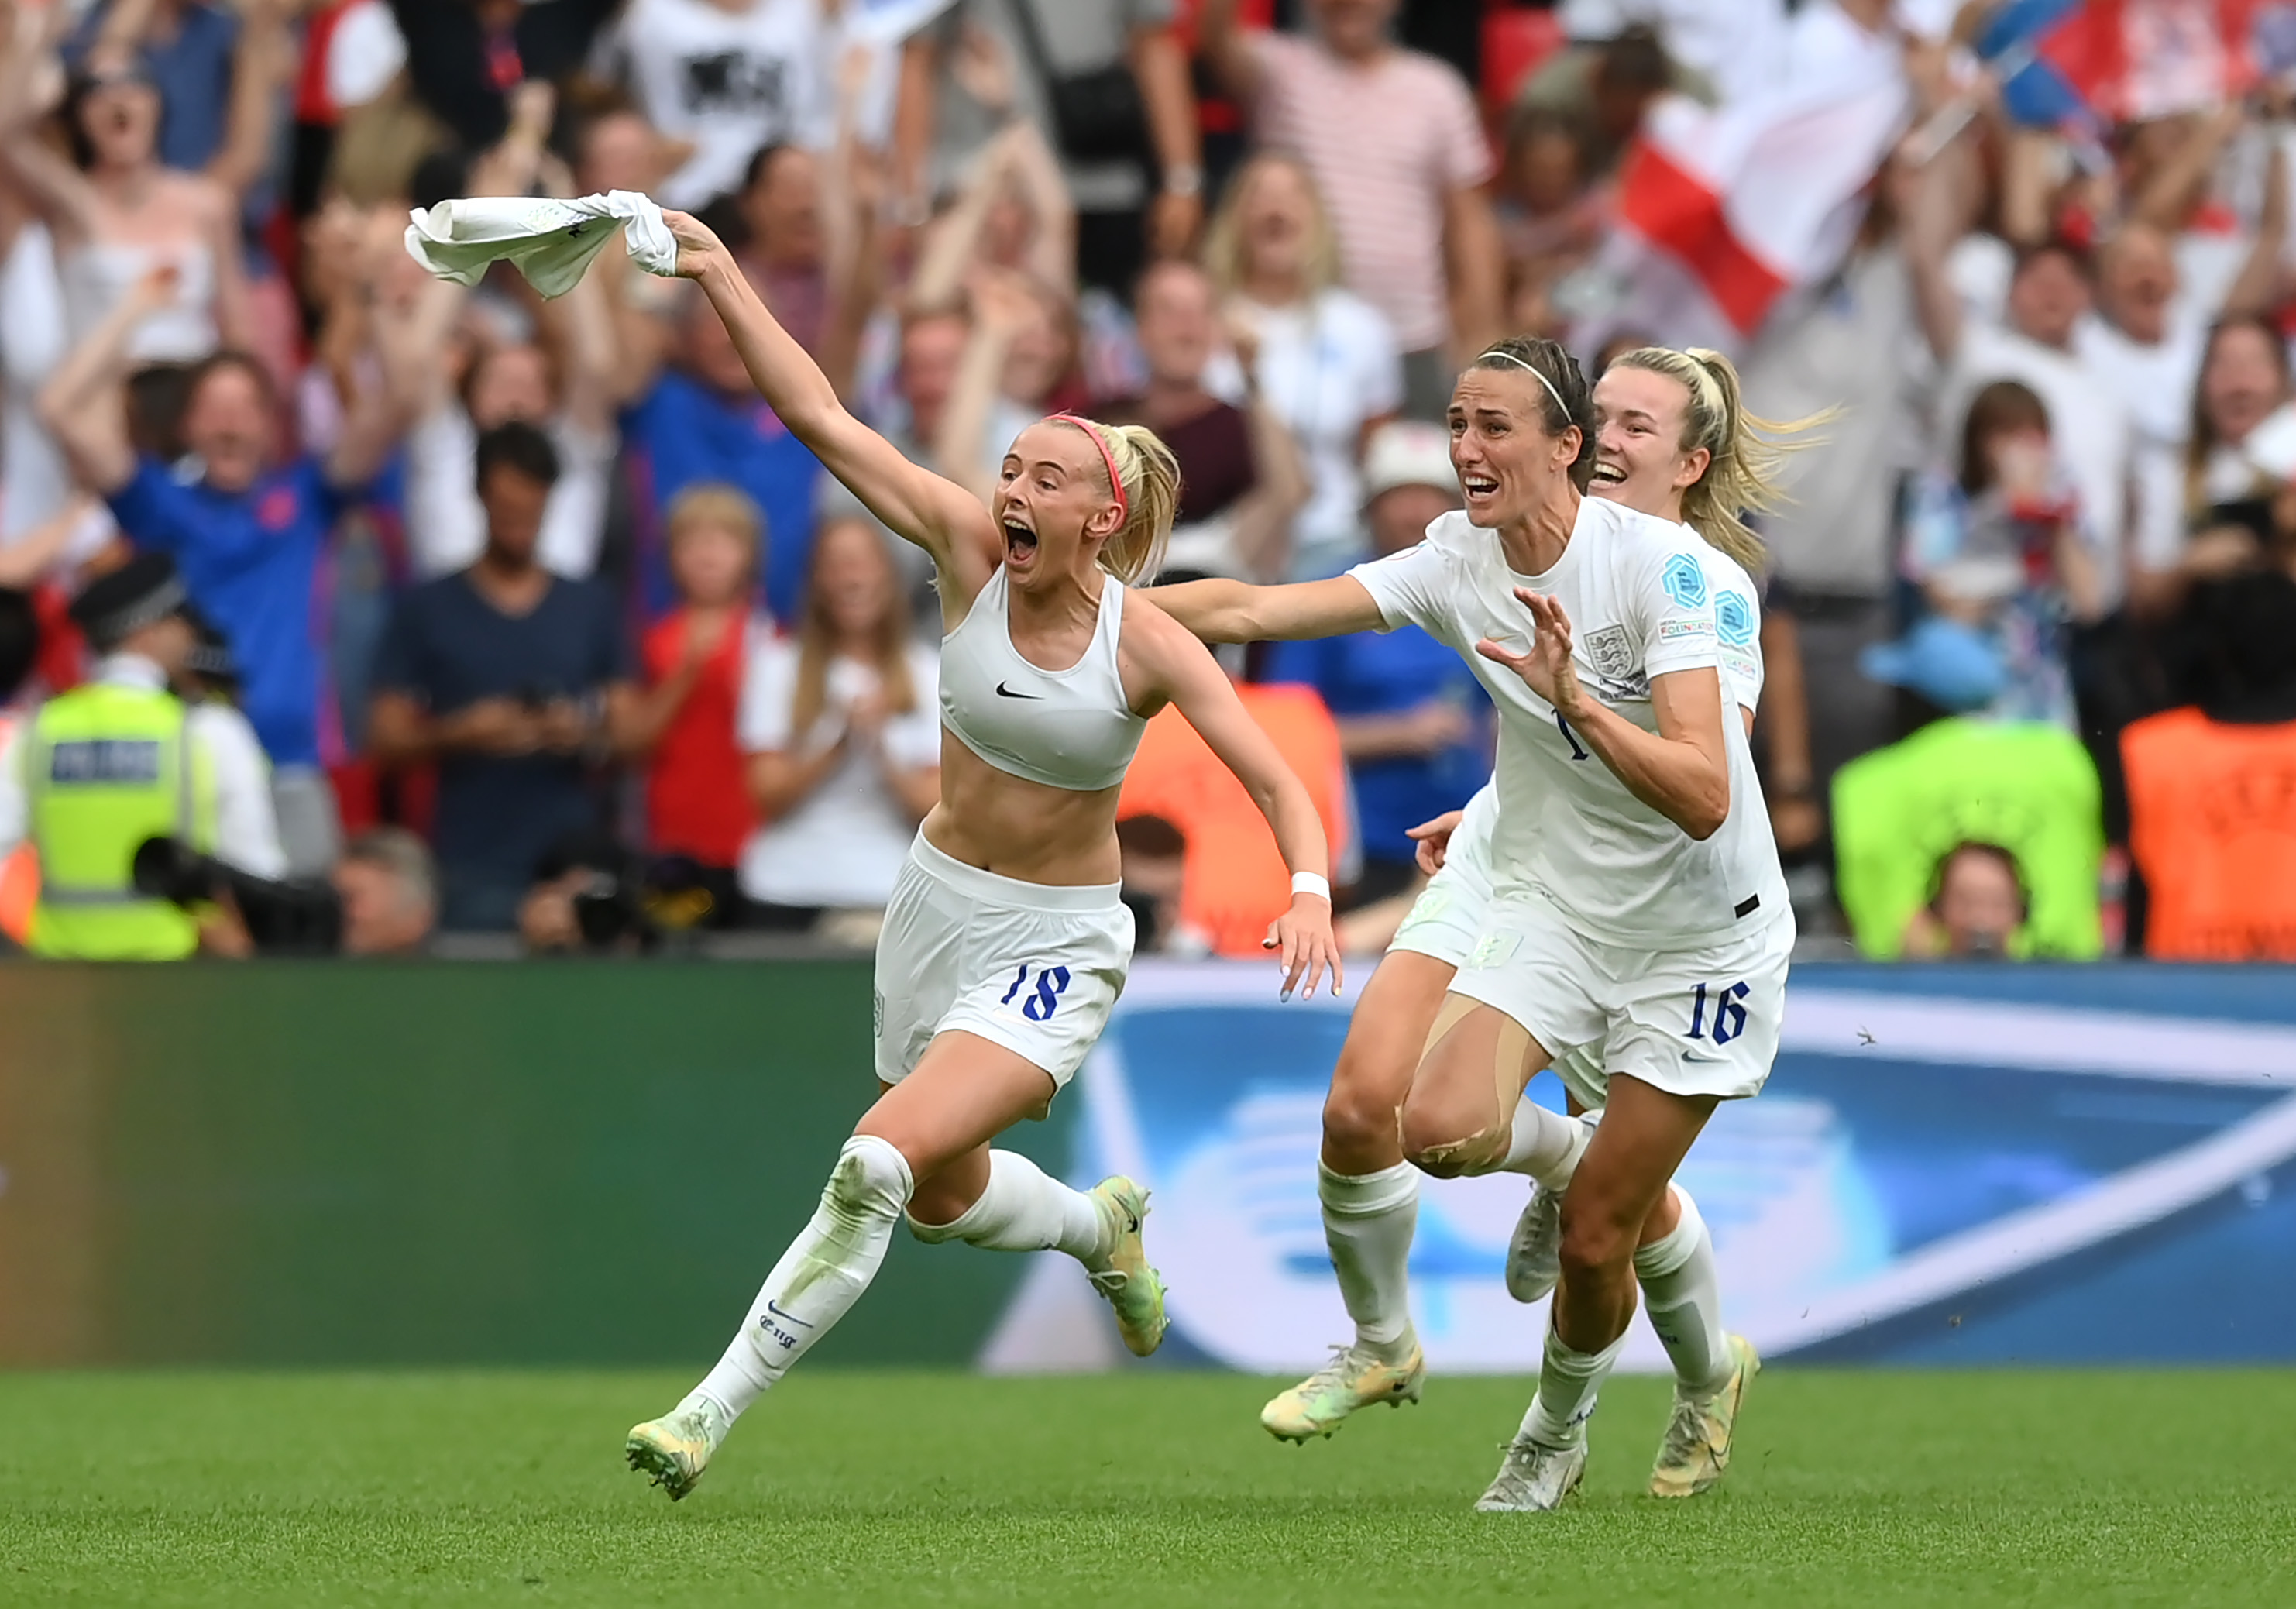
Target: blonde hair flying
<point x="1746" y="454"/>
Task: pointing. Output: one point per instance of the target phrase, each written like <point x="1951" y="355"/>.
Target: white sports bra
<point x="1069" y="728"/>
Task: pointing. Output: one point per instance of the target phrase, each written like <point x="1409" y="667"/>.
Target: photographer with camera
<point x="121" y="759"/>
<point x="515" y="683"/>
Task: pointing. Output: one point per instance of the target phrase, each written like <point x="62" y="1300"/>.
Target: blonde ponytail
<point x="1148" y="477"/>
<point x="1746" y="454"/>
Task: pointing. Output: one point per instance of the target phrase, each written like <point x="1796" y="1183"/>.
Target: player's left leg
<point x="963" y="1092"/>
<point x="1683" y="1293"/>
<point x="1642" y="1137"/>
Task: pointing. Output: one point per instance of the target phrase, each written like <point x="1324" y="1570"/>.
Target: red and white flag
<point x="1723" y="210"/>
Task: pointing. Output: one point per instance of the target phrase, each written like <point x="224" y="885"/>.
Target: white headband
<point x="1535" y="374"/>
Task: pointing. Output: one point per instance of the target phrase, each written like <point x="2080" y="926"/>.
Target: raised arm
<point x="1683" y="772"/>
<point x="1002" y="307"/>
<point x="32" y="81"/>
<point x="265" y="60"/>
<point x="82" y="405"/>
<point x="1181" y="671"/>
<point x="379" y="415"/>
<point x="1160" y="68"/>
<point x="1280" y="485"/>
<point x="1473" y="256"/>
<point x="2256" y="289"/>
<point x="1220" y="610"/>
<point x="936" y="514"/>
<point x="1221" y="40"/>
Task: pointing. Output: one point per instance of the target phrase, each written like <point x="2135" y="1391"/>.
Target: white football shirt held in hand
<point x="550" y="241"/>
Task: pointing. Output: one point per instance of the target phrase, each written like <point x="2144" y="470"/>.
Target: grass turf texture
<point x="1145" y="1489"/>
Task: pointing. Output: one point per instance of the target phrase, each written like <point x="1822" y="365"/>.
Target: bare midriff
<point x="1019" y="829"/>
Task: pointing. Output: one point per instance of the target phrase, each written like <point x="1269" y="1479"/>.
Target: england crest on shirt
<point x="1612" y="654"/>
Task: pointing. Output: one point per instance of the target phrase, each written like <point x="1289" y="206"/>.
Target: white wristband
<point x="1312" y="883"/>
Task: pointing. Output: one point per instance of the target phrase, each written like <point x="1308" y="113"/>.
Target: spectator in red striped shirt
<point x="1396" y="148"/>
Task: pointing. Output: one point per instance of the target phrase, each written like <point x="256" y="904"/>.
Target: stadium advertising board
<point x="2044" y="1164"/>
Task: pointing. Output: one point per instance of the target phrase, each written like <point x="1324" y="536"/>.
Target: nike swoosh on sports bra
<point x="1069" y="728"/>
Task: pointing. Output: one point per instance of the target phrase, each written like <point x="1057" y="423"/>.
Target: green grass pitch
<point x="1849" y="1488"/>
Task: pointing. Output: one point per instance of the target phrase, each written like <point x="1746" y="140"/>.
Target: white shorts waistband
<point x="992" y="888"/>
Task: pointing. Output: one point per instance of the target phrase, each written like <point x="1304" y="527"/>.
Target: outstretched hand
<point x="699" y="248"/>
<point x="1547" y="668"/>
<point x="1434" y="840"/>
<point x="1304" y="945"/>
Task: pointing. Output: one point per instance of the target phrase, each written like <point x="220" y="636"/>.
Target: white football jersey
<point x="1642" y="600"/>
<point x="1738" y="625"/>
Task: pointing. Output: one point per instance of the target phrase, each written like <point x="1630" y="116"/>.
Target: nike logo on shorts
<point x="1004" y="691"/>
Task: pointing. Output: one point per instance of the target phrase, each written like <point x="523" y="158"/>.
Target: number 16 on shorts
<point x="1722" y="1001"/>
<point x="1052" y="983"/>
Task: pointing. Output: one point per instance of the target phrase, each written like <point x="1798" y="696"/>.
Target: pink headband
<point x="1115" y="480"/>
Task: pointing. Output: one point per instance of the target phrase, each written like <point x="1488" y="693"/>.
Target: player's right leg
<point x="1370" y="1198"/>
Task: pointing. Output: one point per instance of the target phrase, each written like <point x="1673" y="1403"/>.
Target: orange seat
<point x="1233" y="882"/>
<point x="2212" y="827"/>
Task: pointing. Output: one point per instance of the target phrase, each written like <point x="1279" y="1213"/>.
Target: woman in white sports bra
<point x="1005" y="943"/>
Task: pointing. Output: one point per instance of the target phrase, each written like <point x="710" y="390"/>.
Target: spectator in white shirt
<point x="1398" y="152"/>
<point x="841" y="724"/>
<point x="1327" y="364"/>
<point x="729" y="77"/>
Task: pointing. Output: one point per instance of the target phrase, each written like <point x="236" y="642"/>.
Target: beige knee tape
<point x="1512" y="1058"/>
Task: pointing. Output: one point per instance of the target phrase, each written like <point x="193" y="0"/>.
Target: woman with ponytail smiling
<point x="1006" y="942"/>
<point x="1638" y="895"/>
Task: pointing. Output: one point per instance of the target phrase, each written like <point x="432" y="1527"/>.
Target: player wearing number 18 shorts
<point x="1633" y="876"/>
<point x="1004" y="944"/>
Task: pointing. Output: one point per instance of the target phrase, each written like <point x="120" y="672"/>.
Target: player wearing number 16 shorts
<point x="1635" y="883"/>
<point x="1005" y="943"/>
<point x="1660" y="416"/>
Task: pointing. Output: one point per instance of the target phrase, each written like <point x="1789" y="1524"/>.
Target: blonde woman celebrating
<point x="1326" y="359"/>
<point x="1005" y="943"/>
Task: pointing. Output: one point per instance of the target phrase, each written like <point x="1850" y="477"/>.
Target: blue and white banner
<point x="1955" y="1165"/>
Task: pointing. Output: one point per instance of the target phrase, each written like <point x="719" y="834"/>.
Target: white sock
<point x="823" y="1273"/>
<point x="1684" y="1294"/>
<point x="1544" y="1144"/>
<point x="1568" y="1382"/>
<point x="1025" y="1209"/>
<point x="1368" y="1222"/>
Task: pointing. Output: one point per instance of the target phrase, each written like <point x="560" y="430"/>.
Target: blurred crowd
<point x="499" y="615"/>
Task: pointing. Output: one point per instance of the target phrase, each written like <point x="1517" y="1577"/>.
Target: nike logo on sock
<point x="792" y="1318"/>
<point x="1004" y="691"/>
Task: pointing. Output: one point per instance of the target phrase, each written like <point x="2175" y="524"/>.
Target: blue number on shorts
<point x="1729" y="1015"/>
<point x="1569" y="736"/>
<point x="1019" y="978"/>
<point x="1051" y="982"/>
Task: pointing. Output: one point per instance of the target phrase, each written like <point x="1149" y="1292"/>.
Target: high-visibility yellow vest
<point x="106" y="768"/>
<point x="2028" y="787"/>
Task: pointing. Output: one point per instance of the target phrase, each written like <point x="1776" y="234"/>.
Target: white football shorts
<point x="1034" y="968"/>
<point x="1447" y="918"/>
<point x="1702" y="1020"/>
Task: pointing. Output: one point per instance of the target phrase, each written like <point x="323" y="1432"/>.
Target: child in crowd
<point x="2007" y="564"/>
<point x="694" y="659"/>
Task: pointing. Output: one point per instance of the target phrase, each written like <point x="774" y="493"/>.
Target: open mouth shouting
<point x="1019" y="543"/>
<point x="1480" y="491"/>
